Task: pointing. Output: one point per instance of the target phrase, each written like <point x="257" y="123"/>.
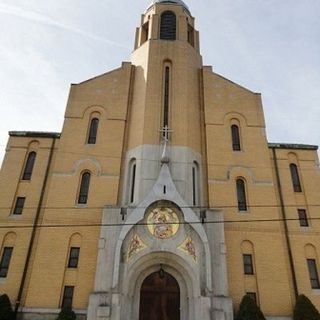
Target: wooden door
<point x="160" y="297"/>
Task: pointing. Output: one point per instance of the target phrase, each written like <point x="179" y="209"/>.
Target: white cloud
<point x="40" y="18"/>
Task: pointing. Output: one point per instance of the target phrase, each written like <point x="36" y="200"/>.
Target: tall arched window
<point x="29" y="166"/>
<point x="295" y="178"/>
<point x="235" y="134"/>
<point x="168" y="26"/>
<point x="84" y="188"/>
<point x="132" y="179"/>
<point x="166" y="97"/>
<point x="195" y="184"/>
<point x="241" y="194"/>
<point x="92" y="135"/>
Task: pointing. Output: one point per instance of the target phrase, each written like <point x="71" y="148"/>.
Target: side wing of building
<point x="63" y="193"/>
<point x="267" y="256"/>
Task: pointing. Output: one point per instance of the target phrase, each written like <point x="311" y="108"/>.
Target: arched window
<point x="195" y="184"/>
<point x="295" y="178"/>
<point x="235" y="134"/>
<point x="168" y="26"/>
<point x="166" y="97"/>
<point x="84" y="188"/>
<point x="29" y="166"/>
<point x="132" y="179"/>
<point x="6" y="253"/>
<point x="92" y="136"/>
<point x="241" y="194"/>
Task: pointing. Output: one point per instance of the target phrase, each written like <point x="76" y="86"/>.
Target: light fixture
<point x="161" y="272"/>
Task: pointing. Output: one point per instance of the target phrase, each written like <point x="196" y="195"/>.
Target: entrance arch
<point x="159" y="297"/>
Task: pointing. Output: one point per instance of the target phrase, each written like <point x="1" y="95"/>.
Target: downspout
<point x="284" y="218"/>
<point x="34" y="230"/>
<point x="204" y="144"/>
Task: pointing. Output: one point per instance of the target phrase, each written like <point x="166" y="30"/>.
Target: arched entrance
<point x="160" y="297"/>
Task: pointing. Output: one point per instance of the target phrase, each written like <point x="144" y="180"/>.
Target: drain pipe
<point x="34" y="230"/>
<point x="284" y="217"/>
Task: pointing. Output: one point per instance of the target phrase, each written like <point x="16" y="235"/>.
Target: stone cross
<point x="165" y="130"/>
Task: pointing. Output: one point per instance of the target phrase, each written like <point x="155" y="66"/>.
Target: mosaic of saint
<point x="188" y="247"/>
<point x="163" y="222"/>
<point x="136" y="245"/>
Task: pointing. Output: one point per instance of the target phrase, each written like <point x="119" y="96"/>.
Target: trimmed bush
<point x="305" y="310"/>
<point x="6" y="312"/>
<point x="66" y="314"/>
<point x="249" y="310"/>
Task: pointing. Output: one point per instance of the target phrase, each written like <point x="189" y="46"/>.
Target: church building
<point x="161" y="198"/>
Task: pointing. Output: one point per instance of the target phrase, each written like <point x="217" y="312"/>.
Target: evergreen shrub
<point x="249" y="310"/>
<point x="305" y="310"/>
<point x="6" y="312"/>
<point x="66" y="314"/>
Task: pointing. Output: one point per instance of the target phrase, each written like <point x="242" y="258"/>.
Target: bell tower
<point x="166" y="101"/>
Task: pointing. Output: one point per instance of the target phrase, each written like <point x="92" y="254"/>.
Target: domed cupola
<point x="174" y="2"/>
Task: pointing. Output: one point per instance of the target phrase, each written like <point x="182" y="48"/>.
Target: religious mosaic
<point x="163" y="222"/>
<point x="136" y="245"/>
<point x="188" y="247"/>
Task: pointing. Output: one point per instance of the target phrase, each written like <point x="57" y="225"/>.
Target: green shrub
<point x="66" y="314"/>
<point x="6" y="312"/>
<point x="305" y="310"/>
<point x="249" y="310"/>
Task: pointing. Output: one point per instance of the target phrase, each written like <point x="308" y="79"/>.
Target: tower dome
<point x="178" y="2"/>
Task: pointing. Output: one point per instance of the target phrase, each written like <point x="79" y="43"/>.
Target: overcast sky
<point x="268" y="46"/>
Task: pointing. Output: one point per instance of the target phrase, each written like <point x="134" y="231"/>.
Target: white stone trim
<point x="137" y="215"/>
<point x="50" y="311"/>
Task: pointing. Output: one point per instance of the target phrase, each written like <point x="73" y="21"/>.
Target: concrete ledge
<point x="292" y="146"/>
<point x="47" y="314"/>
<point x="278" y="318"/>
<point x="34" y="134"/>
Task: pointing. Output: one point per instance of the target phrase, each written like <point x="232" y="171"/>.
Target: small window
<point x="295" y="178"/>
<point x="303" y="219"/>
<point x="313" y="273"/>
<point x="241" y="194"/>
<point x="235" y="134"/>
<point x="248" y="264"/>
<point x="84" y="188"/>
<point x="27" y="173"/>
<point x="93" y="130"/>
<point x="5" y="261"/>
<point x="67" y="297"/>
<point x="18" y="208"/>
<point x="168" y="26"/>
<point x="144" y="33"/>
<point x="190" y="35"/>
<point x="73" y="257"/>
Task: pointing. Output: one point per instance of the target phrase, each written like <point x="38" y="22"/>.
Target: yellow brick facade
<point x="129" y="103"/>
